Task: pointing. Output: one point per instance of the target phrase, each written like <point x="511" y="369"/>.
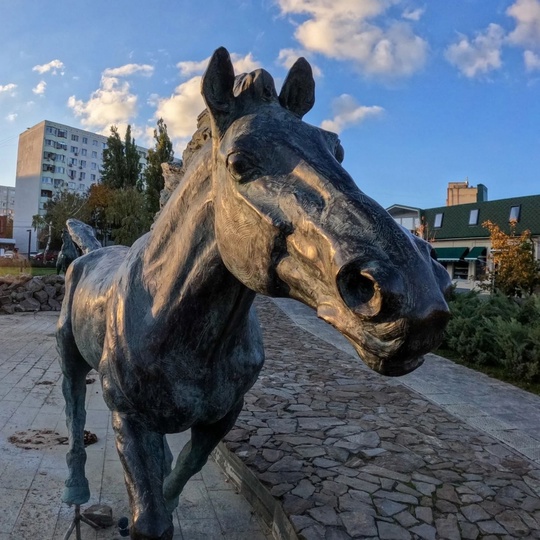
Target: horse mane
<point x="173" y="173"/>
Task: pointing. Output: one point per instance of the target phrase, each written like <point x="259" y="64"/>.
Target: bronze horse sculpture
<point x="264" y="207"/>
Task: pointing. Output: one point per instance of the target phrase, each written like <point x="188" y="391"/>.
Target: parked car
<point x="51" y="256"/>
<point x="7" y="255"/>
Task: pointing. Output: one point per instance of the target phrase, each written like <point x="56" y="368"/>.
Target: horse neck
<point x="181" y="265"/>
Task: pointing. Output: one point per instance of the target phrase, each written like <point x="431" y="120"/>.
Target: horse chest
<point x="183" y="388"/>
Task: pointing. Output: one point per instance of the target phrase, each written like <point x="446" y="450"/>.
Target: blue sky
<point x="422" y="93"/>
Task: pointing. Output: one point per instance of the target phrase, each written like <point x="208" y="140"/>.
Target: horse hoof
<point x="76" y="494"/>
<point x="137" y="533"/>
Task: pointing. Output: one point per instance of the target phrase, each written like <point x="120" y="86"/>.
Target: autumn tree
<point x="121" y="161"/>
<point x="515" y="270"/>
<point x="153" y="175"/>
<point x="64" y="205"/>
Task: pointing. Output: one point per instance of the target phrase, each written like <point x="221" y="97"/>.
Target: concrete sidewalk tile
<point x="11" y="502"/>
<point x="233" y="513"/>
<point x="201" y="529"/>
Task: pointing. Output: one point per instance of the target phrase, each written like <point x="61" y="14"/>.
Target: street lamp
<point x="29" y="231"/>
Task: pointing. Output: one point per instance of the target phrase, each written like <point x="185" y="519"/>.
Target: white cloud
<point x="344" y="30"/>
<point x="347" y="112"/>
<point x="11" y="117"/>
<point x="129" y="69"/>
<point x="287" y="57"/>
<point x="242" y="64"/>
<point x="8" y="89"/>
<point x="527" y="16"/>
<point x="40" y="88"/>
<point x="180" y="111"/>
<point x="532" y="61"/>
<point x="479" y="55"/>
<point x="413" y="14"/>
<point x="54" y="66"/>
<point x="111" y="104"/>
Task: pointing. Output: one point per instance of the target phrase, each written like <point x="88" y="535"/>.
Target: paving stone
<point x="424" y="513"/>
<point x="405" y="519"/>
<point x="304" y="489"/>
<point x="490" y="527"/>
<point x="358" y="523"/>
<point x="469" y="531"/>
<point x="511" y="521"/>
<point x="474" y="513"/>
<point x="324" y="515"/>
<point x="395" y="496"/>
<point x="389" y="531"/>
<point x="424" y="531"/>
<point x="448" y="528"/>
<point x="388" y="508"/>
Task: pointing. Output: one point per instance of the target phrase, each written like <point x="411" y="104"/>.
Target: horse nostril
<point x="359" y="290"/>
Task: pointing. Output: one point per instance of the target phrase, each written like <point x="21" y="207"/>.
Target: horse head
<point x="291" y="222"/>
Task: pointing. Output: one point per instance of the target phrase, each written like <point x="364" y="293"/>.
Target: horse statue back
<point x="263" y="206"/>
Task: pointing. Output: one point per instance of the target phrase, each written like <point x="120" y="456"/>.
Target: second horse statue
<point x="264" y="207"/>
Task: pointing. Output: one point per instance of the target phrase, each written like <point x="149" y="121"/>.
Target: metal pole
<point x="29" y="231"/>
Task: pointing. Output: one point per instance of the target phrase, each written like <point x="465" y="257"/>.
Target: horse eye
<point x="339" y="153"/>
<point x="240" y="166"/>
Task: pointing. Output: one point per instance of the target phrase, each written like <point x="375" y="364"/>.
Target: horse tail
<point x="83" y="235"/>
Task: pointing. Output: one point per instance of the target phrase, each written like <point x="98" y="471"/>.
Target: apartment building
<point x="7" y="200"/>
<point x="53" y="157"/>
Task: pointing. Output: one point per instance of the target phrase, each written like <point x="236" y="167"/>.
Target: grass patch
<point x="14" y="271"/>
<point x="496" y="372"/>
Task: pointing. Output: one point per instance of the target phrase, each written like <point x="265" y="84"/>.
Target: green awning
<point x="476" y="253"/>
<point x="450" y="254"/>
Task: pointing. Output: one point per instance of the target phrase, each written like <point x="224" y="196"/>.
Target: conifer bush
<point x="497" y="331"/>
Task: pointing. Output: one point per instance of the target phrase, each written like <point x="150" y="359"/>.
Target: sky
<point x="421" y="93"/>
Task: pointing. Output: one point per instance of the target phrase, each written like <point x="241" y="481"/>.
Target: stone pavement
<point x="31" y="480"/>
<point x="444" y="452"/>
<point x="351" y="454"/>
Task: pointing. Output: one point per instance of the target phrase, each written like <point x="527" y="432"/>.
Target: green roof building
<point x="461" y="242"/>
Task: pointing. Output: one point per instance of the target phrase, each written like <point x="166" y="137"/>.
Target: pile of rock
<point x="27" y="293"/>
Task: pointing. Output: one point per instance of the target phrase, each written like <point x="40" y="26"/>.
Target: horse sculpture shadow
<point x="264" y="207"/>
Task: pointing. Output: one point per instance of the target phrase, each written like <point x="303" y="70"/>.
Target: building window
<point x="85" y="140"/>
<point x="46" y="193"/>
<point x="75" y="138"/>
<point x="82" y="176"/>
<point x="84" y="151"/>
<point x="82" y="163"/>
<point x="461" y="270"/>
<point x="61" y="146"/>
<point x="473" y="216"/>
<point x="62" y="133"/>
<point x="94" y="155"/>
<point x="60" y="170"/>
<point x="93" y="166"/>
<point x="82" y="187"/>
<point x="71" y="185"/>
<point x="93" y="177"/>
<point x="49" y="142"/>
<point x="46" y="180"/>
<point x="515" y="212"/>
<point x="438" y="221"/>
<point x="60" y="158"/>
<point x="74" y="150"/>
<point x="94" y="142"/>
<point x="51" y="130"/>
<point x="72" y="174"/>
<point x="72" y="161"/>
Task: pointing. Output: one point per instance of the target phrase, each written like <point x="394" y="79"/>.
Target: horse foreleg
<point x="74" y="369"/>
<point x="194" y="455"/>
<point x="146" y="460"/>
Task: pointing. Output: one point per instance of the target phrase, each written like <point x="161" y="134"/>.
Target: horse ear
<point x="217" y="86"/>
<point x="298" y="91"/>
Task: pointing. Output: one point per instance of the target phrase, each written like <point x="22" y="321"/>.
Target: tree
<point x="121" y="161"/>
<point x="153" y="175"/>
<point x="128" y="215"/>
<point x="515" y="270"/>
<point x="58" y="210"/>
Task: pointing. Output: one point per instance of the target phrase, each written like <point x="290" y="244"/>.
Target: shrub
<point x="497" y="331"/>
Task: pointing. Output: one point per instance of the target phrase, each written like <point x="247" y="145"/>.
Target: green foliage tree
<point x="121" y="161"/>
<point x="126" y="212"/>
<point x="153" y="175"/>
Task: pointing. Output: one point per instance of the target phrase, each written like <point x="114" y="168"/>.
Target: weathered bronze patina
<point x="264" y="207"/>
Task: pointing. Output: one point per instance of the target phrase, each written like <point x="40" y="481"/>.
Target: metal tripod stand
<point x="76" y="524"/>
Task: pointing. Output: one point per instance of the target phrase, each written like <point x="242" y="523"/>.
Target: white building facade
<point x="7" y="200"/>
<point x="51" y="158"/>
